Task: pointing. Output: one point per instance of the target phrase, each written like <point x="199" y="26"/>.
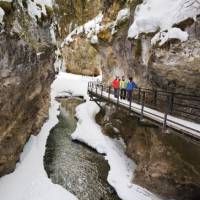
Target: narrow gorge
<point x="55" y="143"/>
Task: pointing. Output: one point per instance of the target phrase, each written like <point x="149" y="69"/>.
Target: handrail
<point x="153" y="90"/>
<point x="168" y="103"/>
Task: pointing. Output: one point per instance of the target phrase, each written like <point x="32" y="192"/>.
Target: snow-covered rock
<point x="160" y="16"/>
<point x="122" y="15"/>
<point x="37" y="7"/>
<point x="91" y="29"/>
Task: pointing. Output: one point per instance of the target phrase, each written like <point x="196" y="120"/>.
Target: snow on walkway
<point x="190" y="128"/>
<point x="30" y="182"/>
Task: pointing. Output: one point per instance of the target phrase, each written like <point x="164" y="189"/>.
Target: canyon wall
<point x="26" y="72"/>
<point x="172" y="66"/>
<point x="90" y="48"/>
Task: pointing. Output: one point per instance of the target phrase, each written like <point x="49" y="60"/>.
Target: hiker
<point x="130" y="87"/>
<point x="116" y="87"/>
<point x="123" y="85"/>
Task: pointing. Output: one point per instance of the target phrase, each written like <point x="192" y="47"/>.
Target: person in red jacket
<point x="116" y="84"/>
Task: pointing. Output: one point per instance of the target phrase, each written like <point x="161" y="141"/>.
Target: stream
<point x="74" y="166"/>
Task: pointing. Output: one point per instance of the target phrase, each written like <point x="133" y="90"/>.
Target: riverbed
<point x="74" y="166"/>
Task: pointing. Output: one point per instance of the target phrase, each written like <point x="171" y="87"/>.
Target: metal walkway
<point x="177" y="111"/>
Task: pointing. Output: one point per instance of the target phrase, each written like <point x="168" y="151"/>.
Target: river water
<point x="79" y="169"/>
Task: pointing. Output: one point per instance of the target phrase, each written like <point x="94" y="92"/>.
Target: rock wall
<point x="166" y="164"/>
<point x="26" y="72"/>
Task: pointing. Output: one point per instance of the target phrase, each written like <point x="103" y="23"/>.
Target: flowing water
<point x="73" y="165"/>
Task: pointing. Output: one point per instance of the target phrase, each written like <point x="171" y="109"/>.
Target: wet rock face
<point x="82" y="58"/>
<point x="26" y="72"/>
<point x="176" y="66"/>
<point x="165" y="162"/>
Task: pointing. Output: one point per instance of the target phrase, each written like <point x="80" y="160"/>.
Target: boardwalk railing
<point x="175" y="110"/>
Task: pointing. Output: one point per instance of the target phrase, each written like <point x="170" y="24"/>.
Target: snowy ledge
<point x="160" y="16"/>
<point x="95" y="26"/>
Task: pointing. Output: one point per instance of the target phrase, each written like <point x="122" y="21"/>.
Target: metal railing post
<point x="155" y="98"/>
<point x="118" y="98"/>
<point x="101" y="91"/>
<point x="167" y="110"/>
<point x="130" y="102"/>
<point x="143" y="103"/>
<point x="171" y="103"/>
<point x="109" y="91"/>
<point x="139" y="95"/>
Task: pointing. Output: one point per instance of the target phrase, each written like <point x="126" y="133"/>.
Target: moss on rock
<point x="6" y="6"/>
<point x="49" y="11"/>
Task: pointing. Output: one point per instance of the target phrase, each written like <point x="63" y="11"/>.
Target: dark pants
<point x="129" y="94"/>
<point x="123" y="93"/>
<point x="116" y="92"/>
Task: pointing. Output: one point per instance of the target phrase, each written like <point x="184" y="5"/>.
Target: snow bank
<point x="75" y="85"/>
<point x="29" y="181"/>
<point x="160" y="16"/>
<point x="121" y="167"/>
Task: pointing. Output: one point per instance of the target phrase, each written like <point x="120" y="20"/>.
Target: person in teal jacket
<point x="123" y="85"/>
<point x="130" y="87"/>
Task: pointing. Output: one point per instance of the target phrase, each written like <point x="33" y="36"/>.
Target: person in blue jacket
<point x="130" y="87"/>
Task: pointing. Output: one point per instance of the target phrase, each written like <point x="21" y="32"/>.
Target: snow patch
<point x="173" y="33"/>
<point x="94" y="39"/>
<point x="2" y="13"/>
<point x="37" y="7"/>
